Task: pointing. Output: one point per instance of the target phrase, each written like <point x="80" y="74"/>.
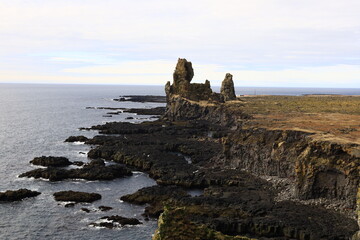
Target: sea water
<point x="35" y="119"/>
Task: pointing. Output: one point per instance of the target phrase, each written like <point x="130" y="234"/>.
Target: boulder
<point x="72" y="196"/>
<point x="17" y="195"/>
<point x="227" y="88"/>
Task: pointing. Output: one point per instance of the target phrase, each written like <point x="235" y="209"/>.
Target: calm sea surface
<point x="36" y="119"/>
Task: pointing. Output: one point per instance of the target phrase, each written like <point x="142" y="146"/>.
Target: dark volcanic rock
<point x="105" y="208"/>
<point x="17" y="195"/>
<point x="181" y="86"/>
<point x="184" y="72"/>
<point x="252" y="212"/>
<point x="79" y="163"/>
<point x="85" y="210"/>
<point x="227" y="88"/>
<point x="72" y="196"/>
<point x="142" y="98"/>
<point x="147" y="111"/>
<point x="94" y="163"/>
<point x="116" y="221"/>
<point x="76" y="139"/>
<point x="206" y="145"/>
<point x="95" y="170"/>
<point x="51" y="161"/>
<point x="235" y="202"/>
<point x="155" y="196"/>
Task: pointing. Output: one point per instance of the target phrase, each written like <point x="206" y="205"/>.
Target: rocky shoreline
<point x="200" y="142"/>
<point x="255" y="182"/>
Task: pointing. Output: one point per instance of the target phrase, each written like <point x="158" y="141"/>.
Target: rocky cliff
<point x="318" y="170"/>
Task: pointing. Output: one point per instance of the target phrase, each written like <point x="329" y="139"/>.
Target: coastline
<point x="256" y="180"/>
<point x="316" y="168"/>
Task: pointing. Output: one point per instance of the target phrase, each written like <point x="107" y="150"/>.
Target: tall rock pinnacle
<point x="182" y="77"/>
<point x="227" y="88"/>
<point x="182" y="86"/>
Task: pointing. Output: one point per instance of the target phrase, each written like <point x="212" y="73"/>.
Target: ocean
<point x="35" y="119"/>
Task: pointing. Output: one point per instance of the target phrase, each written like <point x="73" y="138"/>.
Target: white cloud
<point x="121" y="36"/>
<point x="159" y="72"/>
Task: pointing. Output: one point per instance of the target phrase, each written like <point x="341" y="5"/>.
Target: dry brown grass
<point x="303" y="104"/>
<point x="331" y="117"/>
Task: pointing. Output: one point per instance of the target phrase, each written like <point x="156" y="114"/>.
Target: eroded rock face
<point x="17" y="195"/>
<point x="182" y="76"/>
<point x="181" y="94"/>
<point x="227" y="88"/>
<point x="181" y="86"/>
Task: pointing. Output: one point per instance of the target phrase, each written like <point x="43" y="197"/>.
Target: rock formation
<point x="227" y="88"/>
<point x="182" y="87"/>
<point x="115" y="221"/>
<point x="51" y="161"/>
<point x="72" y="196"/>
<point x="181" y="91"/>
<point x="95" y="170"/>
<point x="17" y="195"/>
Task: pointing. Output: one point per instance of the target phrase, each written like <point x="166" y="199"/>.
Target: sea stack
<point x="227" y="88"/>
<point x="182" y="76"/>
<point x="183" y="87"/>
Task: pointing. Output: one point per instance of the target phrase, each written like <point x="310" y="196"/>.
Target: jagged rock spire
<point x="227" y="88"/>
<point x="183" y="71"/>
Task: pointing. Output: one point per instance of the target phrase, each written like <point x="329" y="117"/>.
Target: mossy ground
<point x="174" y="223"/>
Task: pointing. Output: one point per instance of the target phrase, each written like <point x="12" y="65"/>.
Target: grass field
<point x="330" y="116"/>
<point x="303" y="104"/>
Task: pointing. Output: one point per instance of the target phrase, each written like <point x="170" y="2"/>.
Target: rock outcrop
<point x="234" y="202"/>
<point x="156" y="196"/>
<point x="115" y="221"/>
<point x="51" y="161"/>
<point x="17" y="195"/>
<point x="76" y="139"/>
<point x="317" y="169"/>
<point x="95" y="170"/>
<point x="227" y="88"/>
<point x="73" y="196"/>
<point x="183" y="87"/>
<point x="207" y="143"/>
<point x="181" y="95"/>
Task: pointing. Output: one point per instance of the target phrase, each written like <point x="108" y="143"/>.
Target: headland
<point x="264" y="167"/>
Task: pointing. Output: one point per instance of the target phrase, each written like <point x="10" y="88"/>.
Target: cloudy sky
<point x="289" y="43"/>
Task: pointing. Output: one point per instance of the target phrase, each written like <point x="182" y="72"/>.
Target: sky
<point x="267" y="43"/>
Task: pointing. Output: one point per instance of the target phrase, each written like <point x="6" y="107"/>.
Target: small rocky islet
<point x="17" y="195"/>
<point x="257" y="182"/>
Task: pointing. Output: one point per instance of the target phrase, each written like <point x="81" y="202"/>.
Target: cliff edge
<point x="307" y="146"/>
